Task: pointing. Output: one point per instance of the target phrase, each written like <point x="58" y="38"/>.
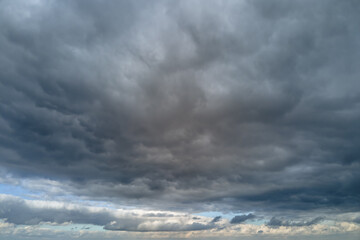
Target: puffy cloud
<point x="242" y="218"/>
<point x="275" y="222"/>
<point x="216" y="219"/>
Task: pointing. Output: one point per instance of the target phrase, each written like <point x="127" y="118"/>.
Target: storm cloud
<point x="224" y="105"/>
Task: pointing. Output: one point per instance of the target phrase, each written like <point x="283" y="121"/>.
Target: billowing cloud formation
<point x="240" y="105"/>
<point x="242" y="218"/>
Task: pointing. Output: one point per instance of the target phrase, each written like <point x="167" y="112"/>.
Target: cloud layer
<point x="34" y="212"/>
<point x="274" y="222"/>
<point x="228" y="106"/>
<point x="53" y="219"/>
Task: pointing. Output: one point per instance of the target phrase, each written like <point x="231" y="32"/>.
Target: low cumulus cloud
<point x="216" y="219"/>
<point x="34" y="212"/>
<point x="221" y="105"/>
<point x="275" y="222"/>
<point x="242" y="218"/>
<point x="24" y="212"/>
<point x="158" y="226"/>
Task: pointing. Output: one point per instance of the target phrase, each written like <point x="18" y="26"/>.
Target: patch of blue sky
<point x="258" y="221"/>
<point x="229" y="216"/>
<point x="15" y="190"/>
<point x="215" y="214"/>
<point x="93" y="203"/>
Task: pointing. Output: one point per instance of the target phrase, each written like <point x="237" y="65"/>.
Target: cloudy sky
<point x="191" y="119"/>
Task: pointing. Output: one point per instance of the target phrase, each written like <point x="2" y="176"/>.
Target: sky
<point x="191" y="119"/>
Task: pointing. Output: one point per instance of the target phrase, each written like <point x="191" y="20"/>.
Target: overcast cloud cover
<point x="247" y="108"/>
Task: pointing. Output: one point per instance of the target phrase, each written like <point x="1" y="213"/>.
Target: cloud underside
<point x="274" y="222"/>
<point x="241" y="218"/>
<point x="15" y="210"/>
<point x="39" y="215"/>
<point x="235" y="105"/>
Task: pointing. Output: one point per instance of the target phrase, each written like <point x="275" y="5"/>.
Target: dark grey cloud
<point x="24" y="212"/>
<point x="18" y="211"/>
<point x="242" y="218"/>
<point x="275" y="222"/>
<point x="236" y="105"/>
<point x="216" y="219"/>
